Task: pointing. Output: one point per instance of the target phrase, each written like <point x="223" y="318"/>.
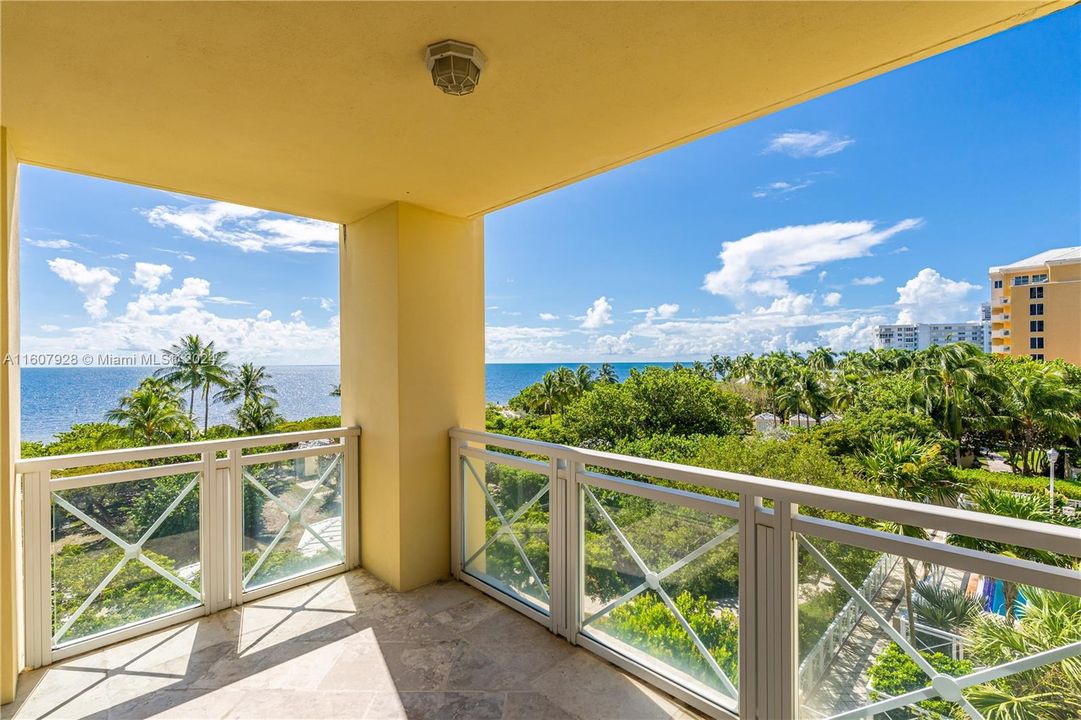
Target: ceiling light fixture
<point x="455" y="66"/>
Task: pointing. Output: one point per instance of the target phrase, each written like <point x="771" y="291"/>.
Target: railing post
<point x="214" y="550"/>
<point x="575" y="565"/>
<point x="748" y="601"/>
<point x="457" y="538"/>
<point x="787" y="647"/>
<point x="37" y="569"/>
<point x="351" y="501"/>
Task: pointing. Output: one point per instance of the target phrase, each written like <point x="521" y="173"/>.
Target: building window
<point x="1035" y="309"/>
<point x="1035" y="326"/>
<point x="1035" y="343"/>
<point x="1039" y="278"/>
<point x="1037" y="356"/>
<point x="1035" y="293"/>
<point x="1021" y="280"/>
<point x="998" y="284"/>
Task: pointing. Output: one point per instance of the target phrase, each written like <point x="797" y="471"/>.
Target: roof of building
<point x="1058" y="255"/>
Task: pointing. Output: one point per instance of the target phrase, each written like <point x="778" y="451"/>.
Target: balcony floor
<point x="346" y="647"/>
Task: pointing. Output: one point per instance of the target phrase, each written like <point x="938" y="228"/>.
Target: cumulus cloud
<point x="249" y="229"/>
<point x="804" y="144"/>
<point x="150" y="275"/>
<point x="929" y="297"/>
<point x="96" y="284"/>
<point x="515" y="342"/>
<point x="264" y="315"/>
<point x="856" y="335"/>
<point x="325" y="303"/>
<point x="49" y="328"/>
<point x="548" y="316"/>
<point x="667" y="310"/>
<point x="868" y="280"/>
<point x="297" y="315"/>
<point x="154" y="320"/>
<point x="832" y="299"/>
<point x="51" y="244"/>
<point x="599" y="314"/>
<point x="760" y="263"/>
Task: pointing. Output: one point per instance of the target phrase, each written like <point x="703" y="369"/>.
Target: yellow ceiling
<point x="326" y="109"/>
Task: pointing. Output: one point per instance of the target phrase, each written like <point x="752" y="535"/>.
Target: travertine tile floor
<point x="346" y="647"/>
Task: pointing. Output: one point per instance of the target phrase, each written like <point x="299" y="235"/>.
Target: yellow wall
<point x="412" y="298"/>
<point x="9" y="405"/>
<point x="1062" y="312"/>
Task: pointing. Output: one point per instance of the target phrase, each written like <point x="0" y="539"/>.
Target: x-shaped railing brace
<point x="292" y="515"/>
<point x="653" y="582"/>
<point x="944" y="686"/>
<point x="132" y="551"/>
<point x="505" y="527"/>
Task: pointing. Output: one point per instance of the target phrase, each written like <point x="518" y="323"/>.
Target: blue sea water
<point x="55" y="398"/>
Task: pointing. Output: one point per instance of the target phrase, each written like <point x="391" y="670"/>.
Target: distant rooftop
<point x="1058" y="255"/>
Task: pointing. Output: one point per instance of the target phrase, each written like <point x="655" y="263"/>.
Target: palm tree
<point x="721" y="366"/>
<point x="185" y="369"/>
<point x="216" y="372"/>
<point x="1048" y="620"/>
<point x="551" y="394"/>
<point x="947" y="375"/>
<point x="945" y="608"/>
<point x="821" y="360"/>
<point x="913" y="470"/>
<point x="1037" y="399"/>
<point x="257" y="415"/>
<point x="1020" y="507"/>
<point x="583" y="378"/>
<point x="148" y="417"/>
<point x="607" y="374"/>
<point x="246" y="382"/>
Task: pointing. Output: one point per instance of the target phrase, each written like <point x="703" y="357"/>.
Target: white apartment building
<point x="918" y="336"/>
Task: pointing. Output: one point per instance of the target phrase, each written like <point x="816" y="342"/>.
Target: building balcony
<point x="1000" y="334"/>
<point x="582" y="584"/>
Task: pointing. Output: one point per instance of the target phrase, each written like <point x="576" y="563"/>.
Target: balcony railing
<point x="750" y="596"/>
<point x="122" y="542"/>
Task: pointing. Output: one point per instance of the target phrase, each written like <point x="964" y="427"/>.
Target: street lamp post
<point x="1052" y="458"/>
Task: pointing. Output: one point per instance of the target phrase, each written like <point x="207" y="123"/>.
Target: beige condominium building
<point x="1036" y="306"/>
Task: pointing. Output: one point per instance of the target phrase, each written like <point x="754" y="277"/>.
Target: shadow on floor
<point x="346" y="647"/>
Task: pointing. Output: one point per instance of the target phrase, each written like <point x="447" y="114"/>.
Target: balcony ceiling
<point x="326" y="109"/>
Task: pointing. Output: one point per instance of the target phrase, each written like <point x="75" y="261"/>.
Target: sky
<point x="883" y="202"/>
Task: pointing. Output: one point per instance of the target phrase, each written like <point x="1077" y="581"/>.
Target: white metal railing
<point x="529" y="538"/>
<point x="817" y="661"/>
<point x="178" y="531"/>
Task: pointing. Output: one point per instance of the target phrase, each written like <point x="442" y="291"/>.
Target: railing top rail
<point x="1026" y="533"/>
<point x="105" y="457"/>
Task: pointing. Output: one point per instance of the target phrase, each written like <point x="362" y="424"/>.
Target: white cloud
<point x="868" y="280"/>
<point x="515" y="342"/>
<point x="264" y="315"/>
<point x="190" y="294"/>
<point x="548" y="316"/>
<point x="155" y="320"/>
<point x="51" y="244"/>
<point x="96" y="284"/>
<point x="832" y="299"/>
<point x="179" y="253"/>
<point x="929" y="297"/>
<point x="803" y="144"/>
<point x="761" y="262"/>
<point x="296" y="315"/>
<point x="667" y="310"/>
<point x="325" y="302"/>
<point x="781" y="187"/>
<point x="249" y="229"/>
<point x="150" y="275"/>
<point x="821" y="276"/>
<point x="789" y="304"/>
<point x="219" y="300"/>
<point x="50" y="328"/>
<point x="898" y="251"/>
<point x="599" y="314"/>
<point x="856" y="335"/>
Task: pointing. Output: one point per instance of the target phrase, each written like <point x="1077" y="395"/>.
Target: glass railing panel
<point x="921" y="640"/>
<point x="292" y="518"/>
<point x="662" y="587"/>
<point x="123" y="553"/>
<point x="507" y="531"/>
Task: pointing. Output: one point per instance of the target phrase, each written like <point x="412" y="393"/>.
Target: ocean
<point x="55" y="398"/>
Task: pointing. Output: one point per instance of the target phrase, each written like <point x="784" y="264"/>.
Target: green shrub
<point x="895" y="673"/>
<point x="978" y="477"/>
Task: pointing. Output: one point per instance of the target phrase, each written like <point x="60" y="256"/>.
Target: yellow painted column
<point x="9" y="415"/>
<point x="412" y="344"/>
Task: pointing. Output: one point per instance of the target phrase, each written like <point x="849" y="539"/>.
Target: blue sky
<point x="884" y="201"/>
